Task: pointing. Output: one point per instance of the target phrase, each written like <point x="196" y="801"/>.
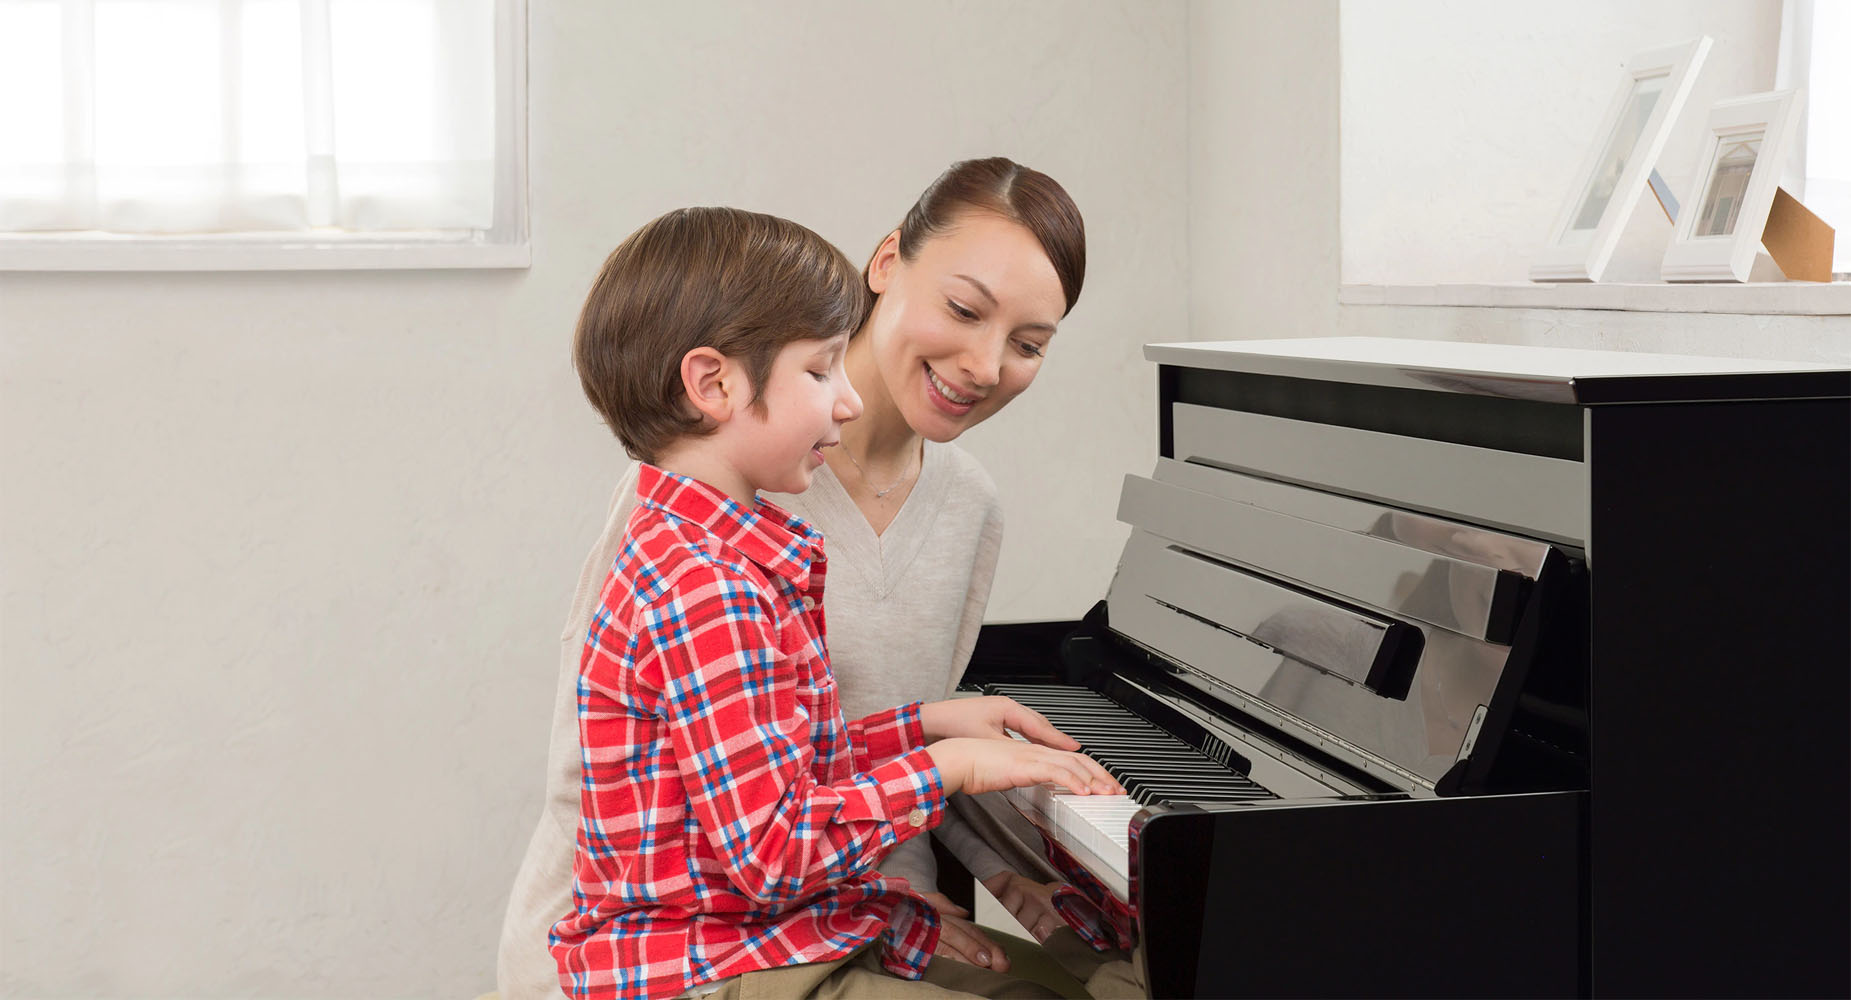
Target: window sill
<point x="1772" y="298"/>
<point x="244" y="253"/>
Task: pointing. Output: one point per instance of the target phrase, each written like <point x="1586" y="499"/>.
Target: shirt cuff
<point x="906" y="792"/>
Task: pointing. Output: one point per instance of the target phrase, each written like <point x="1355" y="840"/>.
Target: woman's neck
<point x="880" y="440"/>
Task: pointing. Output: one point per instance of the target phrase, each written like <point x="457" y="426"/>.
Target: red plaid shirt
<point x="730" y="819"/>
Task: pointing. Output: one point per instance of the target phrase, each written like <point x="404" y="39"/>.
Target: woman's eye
<point x="959" y="311"/>
<point x="1028" y="350"/>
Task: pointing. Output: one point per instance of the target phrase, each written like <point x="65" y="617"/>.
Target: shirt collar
<point x="777" y="540"/>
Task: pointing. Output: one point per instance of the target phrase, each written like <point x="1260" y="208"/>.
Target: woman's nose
<point x="983" y="362"/>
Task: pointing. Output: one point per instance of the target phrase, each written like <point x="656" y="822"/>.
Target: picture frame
<point x="1653" y="88"/>
<point x="1747" y="140"/>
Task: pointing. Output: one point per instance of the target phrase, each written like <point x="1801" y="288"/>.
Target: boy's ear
<point x="880" y="266"/>
<point x="713" y="384"/>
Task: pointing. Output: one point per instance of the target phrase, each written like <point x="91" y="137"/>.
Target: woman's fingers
<point x="943" y="904"/>
<point x="962" y="940"/>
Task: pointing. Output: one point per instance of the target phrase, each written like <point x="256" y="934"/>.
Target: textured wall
<point x="283" y="557"/>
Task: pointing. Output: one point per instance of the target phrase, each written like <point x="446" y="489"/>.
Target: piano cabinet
<point x="1693" y="839"/>
<point x="1467" y="897"/>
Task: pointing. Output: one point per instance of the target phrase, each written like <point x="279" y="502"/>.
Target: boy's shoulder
<point x="663" y="554"/>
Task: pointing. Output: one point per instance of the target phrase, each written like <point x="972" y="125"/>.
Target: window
<point x="1814" y="35"/>
<point x="158" y="134"/>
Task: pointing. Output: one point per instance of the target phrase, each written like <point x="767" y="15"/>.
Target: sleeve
<point x="965" y="843"/>
<point x="883" y="736"/>
<point x="977" y="598"/>
<point x="730" y="700"/>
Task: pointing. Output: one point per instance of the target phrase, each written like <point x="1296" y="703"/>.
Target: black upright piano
<point x="1441" y="669"/>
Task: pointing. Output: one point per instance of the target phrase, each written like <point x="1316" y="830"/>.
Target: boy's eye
<point x="959" y="311"/>
<point x="822" y="376"/>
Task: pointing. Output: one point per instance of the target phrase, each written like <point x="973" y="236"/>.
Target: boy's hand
<point x="1030" y="902"/>
<point x="963" y="940"/>
<point x="975" y="765"/>
<point x="991" y="717"/>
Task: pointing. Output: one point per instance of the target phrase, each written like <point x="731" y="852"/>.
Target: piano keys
<point x="1426" y="666"/>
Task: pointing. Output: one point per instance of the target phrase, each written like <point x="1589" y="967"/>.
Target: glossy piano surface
<point x="1488" y="627"/>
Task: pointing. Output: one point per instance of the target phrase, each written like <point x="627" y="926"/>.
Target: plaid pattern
<point x="1100" y="918"/>
<point x="730" y="819"/>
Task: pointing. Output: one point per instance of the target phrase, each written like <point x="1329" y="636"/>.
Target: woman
<point x="968" y="292"/>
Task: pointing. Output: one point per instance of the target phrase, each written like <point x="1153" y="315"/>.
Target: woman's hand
<point x="974" y="766"/>
<point x="960" y="939"/>
<point x="991" y="717"/>
<point x="1031" y="903"/>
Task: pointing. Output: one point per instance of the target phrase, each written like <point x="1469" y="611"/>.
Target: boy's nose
<point x="848" y="403"/>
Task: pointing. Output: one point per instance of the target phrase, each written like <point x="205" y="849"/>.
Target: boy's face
<point x="807" y="399"/>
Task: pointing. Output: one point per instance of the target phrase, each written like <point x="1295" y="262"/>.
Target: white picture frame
<point x="1615" y="169"/>
<point x="1746" y="141"/>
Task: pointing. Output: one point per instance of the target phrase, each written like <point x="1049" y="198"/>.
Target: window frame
<point x="505" y="245"/>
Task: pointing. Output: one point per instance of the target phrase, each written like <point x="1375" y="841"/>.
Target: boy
<point x="730" y="819"/>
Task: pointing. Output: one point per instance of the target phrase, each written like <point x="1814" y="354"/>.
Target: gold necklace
<point x="865" y="481"/>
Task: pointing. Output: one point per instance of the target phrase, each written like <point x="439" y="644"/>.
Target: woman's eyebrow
<point x="985" y="291"/>
<point x="981" y="287"/>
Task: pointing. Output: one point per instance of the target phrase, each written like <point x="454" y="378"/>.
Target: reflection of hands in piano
<point x="992" y="717"/>
<point x="1028" y="901"/>
<point x="974" y="766"/>
<point x="961" y="939"/>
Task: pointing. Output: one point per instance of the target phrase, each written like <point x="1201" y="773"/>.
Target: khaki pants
<point x="861" y="977"/>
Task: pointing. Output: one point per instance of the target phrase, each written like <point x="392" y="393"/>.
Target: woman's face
<point x="961" y="329"/>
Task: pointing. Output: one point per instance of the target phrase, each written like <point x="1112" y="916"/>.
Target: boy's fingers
<point x="1038" y="729"/>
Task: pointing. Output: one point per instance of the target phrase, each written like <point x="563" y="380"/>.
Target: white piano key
<point x="1095" y="829"/>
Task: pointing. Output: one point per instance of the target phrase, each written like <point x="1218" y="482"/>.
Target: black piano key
<point x="1152" y="764"/>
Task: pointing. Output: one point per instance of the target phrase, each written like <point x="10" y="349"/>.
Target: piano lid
<point x="1544" y="374"/>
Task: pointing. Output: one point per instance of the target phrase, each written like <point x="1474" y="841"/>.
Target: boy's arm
<point x="742" y="735"/>
<point x="881" y="737"/>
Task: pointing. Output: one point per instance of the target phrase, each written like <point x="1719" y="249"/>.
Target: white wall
<point x="283" y="557"/>
<point x="1272" y="158"/>
<point x="1263" y="170"/>
<point x="1464" y="123"/>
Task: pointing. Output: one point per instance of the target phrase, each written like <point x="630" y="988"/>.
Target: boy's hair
<point x="742" y="283"/>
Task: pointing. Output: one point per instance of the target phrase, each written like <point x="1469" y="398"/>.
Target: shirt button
<point x="917" y="817"/>
<point x="809" y="603"/>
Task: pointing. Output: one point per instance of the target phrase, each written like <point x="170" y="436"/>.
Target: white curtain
<point x="1815" y="55"/>
<point x="204" y="116"/>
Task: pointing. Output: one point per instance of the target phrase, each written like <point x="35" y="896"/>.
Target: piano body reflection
<point x="1454" y="669"/>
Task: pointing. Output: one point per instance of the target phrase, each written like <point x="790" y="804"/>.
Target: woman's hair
<point x="1003" y="187"/>
<point x="742" y="283"/>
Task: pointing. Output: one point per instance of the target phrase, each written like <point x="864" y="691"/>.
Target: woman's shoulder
<point x="965" y="476"/>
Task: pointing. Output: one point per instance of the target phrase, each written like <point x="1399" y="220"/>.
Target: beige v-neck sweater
<point x="904" y="609"/>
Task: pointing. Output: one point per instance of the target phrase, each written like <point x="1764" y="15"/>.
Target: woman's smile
<point x="944" y="396"/>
